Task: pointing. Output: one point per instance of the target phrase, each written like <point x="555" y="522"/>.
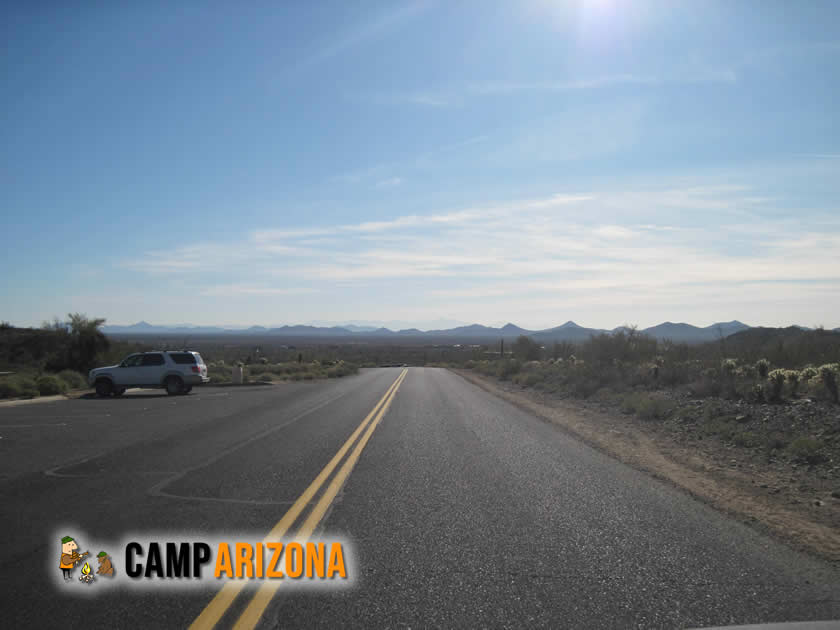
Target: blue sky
<point x="607" y="161"/>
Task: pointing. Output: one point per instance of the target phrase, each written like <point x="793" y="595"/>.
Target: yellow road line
<point x="219" y="605"/>
<point x="252" y="614"/>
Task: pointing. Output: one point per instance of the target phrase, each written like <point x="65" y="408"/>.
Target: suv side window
<point x="132" y="361"/>
<point x="152" y="359"/>
<point x="182" y="358"/>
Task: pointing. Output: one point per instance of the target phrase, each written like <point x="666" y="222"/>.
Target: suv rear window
<point x="152" y="359"/>
<point x="182" y="358"/>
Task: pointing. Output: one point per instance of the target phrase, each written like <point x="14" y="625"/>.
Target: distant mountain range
<point x="570" y="331"/>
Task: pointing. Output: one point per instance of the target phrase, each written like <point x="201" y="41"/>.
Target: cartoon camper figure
<point x="105" y="566"/>
<point x="70" y="556"/>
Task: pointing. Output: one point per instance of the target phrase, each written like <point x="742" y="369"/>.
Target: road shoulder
<point x="734" y="492"/>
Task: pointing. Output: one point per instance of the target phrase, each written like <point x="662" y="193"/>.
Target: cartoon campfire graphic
<point x="87" y="575"/>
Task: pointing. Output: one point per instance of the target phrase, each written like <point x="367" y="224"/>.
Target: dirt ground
<point x="789" y="501"/>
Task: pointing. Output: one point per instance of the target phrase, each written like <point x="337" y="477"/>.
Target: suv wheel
<point x="104" y="388"/>
<point x="174" y="385"/>
<point x="187" y="389"/>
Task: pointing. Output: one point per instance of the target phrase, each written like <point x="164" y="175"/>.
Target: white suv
<point x="177" y="372"/>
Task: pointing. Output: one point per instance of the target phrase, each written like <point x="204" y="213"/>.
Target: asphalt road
<point x="461" y="510"/>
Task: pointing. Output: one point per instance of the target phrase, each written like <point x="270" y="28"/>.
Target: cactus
<point x="828" y="374"/>
<point x="793" y="378"/>
<point x="728" y="367"/>
<point x="777" y="382"/>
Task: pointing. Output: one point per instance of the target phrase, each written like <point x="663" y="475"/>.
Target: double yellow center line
<point x="219" y="605"/>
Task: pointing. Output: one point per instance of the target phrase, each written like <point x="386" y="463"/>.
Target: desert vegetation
<point x="55" y="358"/>
<point x="773" y="394"/>
<point x="266" y="372"/>
<point x="628" y="363"/>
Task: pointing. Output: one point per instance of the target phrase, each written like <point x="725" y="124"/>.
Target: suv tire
<point x="174" y="385"/>
<point x="104" y="388"/>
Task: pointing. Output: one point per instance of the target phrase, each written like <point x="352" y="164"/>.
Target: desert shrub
<point x="756" y="394"/>
<point x="526" y="349"/>
<point x="792" y="377"/>
<point x="808" y="373"/>
<point x="829" y="375"/>
<point x="341" y="369"/>
<point x="646" y="407"/>
<point x="308" y="376"/>
<point x="762" y="366"/>
<point x="18" y="386"/>
<point x="776" y="384"/>
<point x="806" y="450"/>
<point x="72" y="379"/>
<point x="713" y="410"/>
<point x="9" y="388"/>
<point x="50" y="385"/>
<point x="676" y="373"/>
<point x="631" y="403"/>
<point x="526" y="379"/>
<point x="706" y="386"/>
<point x="728" y="367"/>
<point x="263" y="361"/>
<point x="507" y="368"/>
<point x="724" y="427"/>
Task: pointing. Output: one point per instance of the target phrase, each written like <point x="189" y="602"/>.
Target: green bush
<point x="50" y="385"/>
<point x="72" y="379"/>
<point x="806" y="450"/>
<point x="526" y="379"/>
<point x="776" y="380"/>
<point x="341" y="369"/>
<point x="646" y="407"/>
<point x="729" y="367"/>
<point x="829" y="375"/>
<point x="9" y="388"/>
<point x="526" y="349"/>
<point x="18" y="387"/>
<point x="507" y="368"/>
<point x="793" y="378"/>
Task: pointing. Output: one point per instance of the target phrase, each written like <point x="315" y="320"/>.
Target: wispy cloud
<point x="391" y="182"/>
<point x="461" y="93"/>
<point x="233" y="290"/>
<point x="543" y="253"/>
